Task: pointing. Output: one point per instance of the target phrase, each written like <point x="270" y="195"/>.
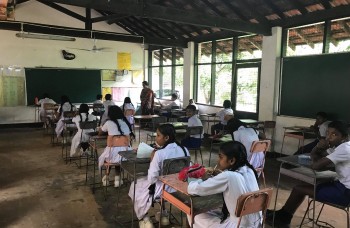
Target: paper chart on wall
<point x="13" y="92"/>
<point x="124" y="61"/>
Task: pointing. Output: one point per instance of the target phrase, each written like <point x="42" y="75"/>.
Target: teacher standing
<point x="147" y="99"/>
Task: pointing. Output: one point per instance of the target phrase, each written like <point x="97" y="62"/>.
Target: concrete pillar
<point x="270" y="75"/>
<point x="188" y="74"/>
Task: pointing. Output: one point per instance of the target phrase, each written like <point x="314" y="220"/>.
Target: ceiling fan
<point x="94" y="47"/>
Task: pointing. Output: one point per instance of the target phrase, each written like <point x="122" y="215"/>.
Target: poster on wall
<point x="124" y="61"/>
<point x="108" y="75"/>
<point x="13" y="93"/>
<point x="106" y="90"/>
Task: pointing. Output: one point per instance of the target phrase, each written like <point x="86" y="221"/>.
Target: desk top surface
<point x="173" y="181"/>
<point x="131" y="156"/>
<point x="145" y="116"/>
<point x="251" y="121"/>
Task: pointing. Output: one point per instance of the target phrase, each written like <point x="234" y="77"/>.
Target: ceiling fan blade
<point x="82" y="49"/>
<point x="103" y="48"/>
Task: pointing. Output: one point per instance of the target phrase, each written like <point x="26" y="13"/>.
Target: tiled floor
<point x="37" y="189"/>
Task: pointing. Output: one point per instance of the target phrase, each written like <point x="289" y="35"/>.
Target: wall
<point x="47" y="53"/>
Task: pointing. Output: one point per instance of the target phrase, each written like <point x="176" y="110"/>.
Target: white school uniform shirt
<point x="80" y="136"/>
<point x="232" y="184"/>
<point x="64" y="108"/>
<point x="171" y="104"/>
<point x="322" y="128"/>
<point x="143" y="201"/>
<point x="341" y="159"/>
<point x="247" y="136"/>
<point x="97" y="102"/>
<point x="111" y="154"/>
<point x="127" y="106"/>
<point x="221" y="114"/>
<point x="46" y="100"/>
<point x="194" y="121"/>
<point x="106" y="104"/>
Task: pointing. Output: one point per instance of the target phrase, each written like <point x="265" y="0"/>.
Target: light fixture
<point x="44" y="36"/>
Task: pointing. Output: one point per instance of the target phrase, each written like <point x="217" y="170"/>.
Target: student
<point x="193" y="141"/>
<point x="45" y="100"/>
<point x="81" y="135"/>
<point x="237" y="177"/>
<point x="191" y="102"/>
<point x="320" y="129"/>
<point x="66" y="106"/>
<point x="174" y="102"/>
<point x="117" y="124"/>
<point x="98" y="99"/>
<point x="221" y="114"/>
<point x="127" y="105"/>
<point x="169" y="148"/>
<point x="334" y="150"/>
<point x="241" y="133"/>
<point x="108" y="102"/>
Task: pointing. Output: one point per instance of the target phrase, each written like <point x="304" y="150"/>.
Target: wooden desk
<point x="209" y="118"/>
<point x="143" y="117"/>
<point x="135" y="167"/>
<point x="218" y="141"/>
<point x="303" y="172"/>
<point x="251" y="123"/>
<point x="189" y="204"/>
<point x="298" y="132"/>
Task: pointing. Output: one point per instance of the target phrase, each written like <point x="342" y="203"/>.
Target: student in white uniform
<point x="241" y="133"/>
<point x="192" y="102"/>
<point x="169" y="148"/>
<point x="221" y="114"/>
<point x="108" y="102"/>
<point x="46" y="100"/>
<point x="117" y="124"/>
<point x="98" y="99"/>
<point x="81" y="135"/>
<point x="66" y="106"/>
<point x="336" y="192"/>
<point x="193" y="141"/>
<point x="320" y="129"/>
<point x="237" y="177"/>
<point x="127" y="105"/>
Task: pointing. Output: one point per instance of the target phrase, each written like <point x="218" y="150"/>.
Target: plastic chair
<point x="344" y="208"/>
<point x="97" y="111"/>
<point x="70" y="127"/>
<point x="198" y="130"/>
<point x="155" y="123"/>
<point x="87" y="125"/>
<point x="129" y="114"/>
<point x="260" y="146"/>
<point x="253" y="202"/>
<point x="268" y="126"/>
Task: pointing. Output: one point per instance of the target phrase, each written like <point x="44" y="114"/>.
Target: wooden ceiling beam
<point x="275" y="9"/>
<point x="305" y="39"/>
<point x="164" y="31"/>
<point x="261" y="18"/>
<point x="326" y="4"/>
<point x="162" y="13"/>
<point x="314" y="17"/>
<point x="299" y="6"/>
<point x="63" y="10"/>
<point x="234" y="9"/>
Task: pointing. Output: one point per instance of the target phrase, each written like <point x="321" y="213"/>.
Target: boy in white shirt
<point x="221" y="114"/>
<point x="193" y="141"/>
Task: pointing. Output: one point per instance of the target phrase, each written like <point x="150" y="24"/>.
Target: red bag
<point x="194" y="171"/>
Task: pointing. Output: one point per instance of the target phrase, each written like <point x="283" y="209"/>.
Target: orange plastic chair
<point x="260" y="146"/>
<point x="253" y="202"/>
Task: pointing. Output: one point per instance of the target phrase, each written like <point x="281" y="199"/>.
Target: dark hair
<point x="127" y="100"/>
<point x="227" y="104"/>
<point x="145" y="83"/>
<point x="115" y="113"/>
<point x="235" y="150"/>
<point x="339" y="126"/>
<point x="65" y="99"/>
<point x="169" y="130"/>
<point x="174" y="95"/>
<point x="108" y="97"/>
<point x="191" y="107"/>
<point x="322" y="114"/>
<point x="233" y="124"/>
<point x="98" y="96"/>
<point x="84" y="108"/>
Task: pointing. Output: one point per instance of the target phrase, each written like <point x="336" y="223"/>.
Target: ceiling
<point x="173" y="23"/>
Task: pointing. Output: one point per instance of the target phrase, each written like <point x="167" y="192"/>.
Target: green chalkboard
<point x="81" y="86"/>
<point x="316" y="83"/>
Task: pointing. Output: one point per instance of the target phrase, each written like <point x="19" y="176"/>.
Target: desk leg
<point x="133" y="201"/>
<point x="277" y="188"/>
<point x="314" y="202"/>
<point x="139" y="130"/>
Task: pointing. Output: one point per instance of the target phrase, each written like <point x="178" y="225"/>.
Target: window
<point x="166" y="67"/>
<point x="223" y="83"/>
<point x="204" y="84"/>
<point x="204" y="52"/>
<point x="340" y="36"/>
<point x="249" y="47"/>
<point x="305" y="40"/>
<point x="247" y="89"/>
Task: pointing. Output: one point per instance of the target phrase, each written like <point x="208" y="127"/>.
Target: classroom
<point x="282" y="65"/>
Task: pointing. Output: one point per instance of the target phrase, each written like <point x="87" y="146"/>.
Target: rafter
<point x="167" y="32"/>
<point x="326" y="4"/>
<point x="234" y="9"/>
<point x="275" y="9"/>
<point x="63" y="10"/>
<point x="262" y="19"/>
<point x="299" y="6"/>
<point x="304" y="39"/>
<point x="108" y="18"/>
<point x="170" y="14"/>
<point x="141" y="24"/>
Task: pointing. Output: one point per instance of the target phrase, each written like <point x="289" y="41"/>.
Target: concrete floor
<point x="37" y="188"/>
